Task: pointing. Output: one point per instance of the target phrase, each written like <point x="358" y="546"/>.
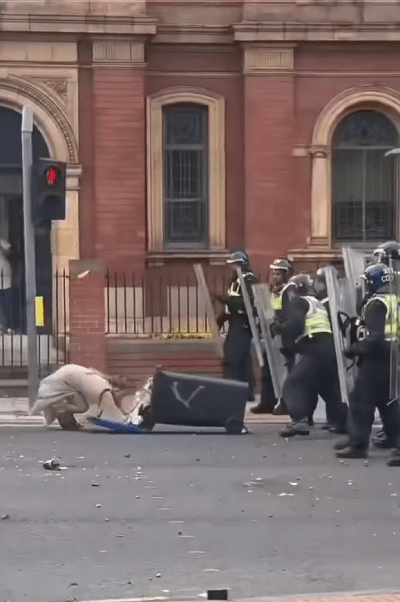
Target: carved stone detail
<point x="118" y="52"/>
<point x="319" y="152"/>
<point x="261" y="59"/>
<point x="58" y="85"/>
<point x="28" y="88"/>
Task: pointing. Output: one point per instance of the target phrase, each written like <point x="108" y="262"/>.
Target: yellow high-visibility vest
<point x="317" y="318"/>
<point x="234" y="290"/>
<point x="391" y="303"/>
<point x="276" y="301"/>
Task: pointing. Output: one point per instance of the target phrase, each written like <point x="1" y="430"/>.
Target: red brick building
<point x="192" y="127"/>
<point x="223" y="124"/>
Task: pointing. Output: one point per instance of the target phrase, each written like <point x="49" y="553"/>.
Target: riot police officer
<point x="308" y="333"/>
<point x="280" y="271"/>
<point x="372" y="386"/>
<point x="237" y="345"/>
<point x="389" y="254"/>
<point x="321" y="294"/>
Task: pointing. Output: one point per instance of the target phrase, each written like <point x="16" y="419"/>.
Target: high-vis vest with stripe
<point x="391" y="303"/>
<point x="317" y="318"/>
<point x="234" y="290"/>
<point x="276" y="301"/>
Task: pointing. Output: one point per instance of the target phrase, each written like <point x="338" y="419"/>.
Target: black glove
<point x="288" y="351"/>
<point x="222" y="318"/>
<point x="275" y="328"/>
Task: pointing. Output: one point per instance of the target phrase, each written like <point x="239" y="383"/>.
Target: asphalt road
<point x="186" y="513"/>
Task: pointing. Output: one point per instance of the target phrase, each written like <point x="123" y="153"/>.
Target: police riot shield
<point x="198" y="268"/>
<point x="394" y="389"/>
<point x="276" y="361"/>
<point x="335" y="306"/>
<point x="250" y="315"/>
<point x="354" y="265"/>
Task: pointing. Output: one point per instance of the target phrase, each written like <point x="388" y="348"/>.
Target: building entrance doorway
<point x="12" y="263"/>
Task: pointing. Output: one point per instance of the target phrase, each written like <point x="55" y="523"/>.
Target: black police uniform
<point x="237" y="345"/>
<point x="333" y="422"/>
<point x="372" y="386"/>
<point x="314" y="374"/>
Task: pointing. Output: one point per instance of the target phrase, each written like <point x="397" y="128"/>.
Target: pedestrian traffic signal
<point x="48" y="190"/>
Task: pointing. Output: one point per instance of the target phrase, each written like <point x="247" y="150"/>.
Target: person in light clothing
<point x="6" y="291"/>
<point x="74" y="389"/>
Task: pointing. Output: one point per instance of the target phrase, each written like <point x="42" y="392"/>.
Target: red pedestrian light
<point x="52" y="175"/>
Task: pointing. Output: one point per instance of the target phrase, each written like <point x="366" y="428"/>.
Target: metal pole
<point x="30" y="262"/>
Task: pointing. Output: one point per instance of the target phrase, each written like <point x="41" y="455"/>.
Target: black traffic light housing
<point x="48" y="190"/>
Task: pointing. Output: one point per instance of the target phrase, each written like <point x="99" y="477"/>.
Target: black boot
<point x="262" y="408"/>
<point x="352" y="452"/>
<point x="394" y="459"/>
<point x="296" y="428"/>
<point x="342" y="444"/>
<point x="280" y="409"/>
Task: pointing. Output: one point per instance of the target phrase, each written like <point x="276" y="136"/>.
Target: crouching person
<point x="74" y="390"/>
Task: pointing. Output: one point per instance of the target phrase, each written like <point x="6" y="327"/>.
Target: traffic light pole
<point x="30" y="261"/>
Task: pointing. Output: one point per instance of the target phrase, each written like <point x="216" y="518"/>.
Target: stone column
<point x="320" y="197"/>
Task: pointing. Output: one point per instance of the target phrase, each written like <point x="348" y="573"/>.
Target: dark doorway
<point x="11" y="223"/>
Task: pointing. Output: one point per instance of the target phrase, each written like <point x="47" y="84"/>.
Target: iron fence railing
<point x="159" y="306"/>
<point x="52" y="336"/>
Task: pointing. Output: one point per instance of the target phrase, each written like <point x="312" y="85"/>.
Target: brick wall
<point x="119" y="107"/>
<point x="271" y="217"/>
<point x="87" y="314"/>
<point x="137" y="359"/>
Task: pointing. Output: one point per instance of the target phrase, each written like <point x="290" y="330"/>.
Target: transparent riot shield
<point x="276" y="361"/>
<point x="354" y="266"/>
<point x="198" y="268"/>
<point x="394" y="289"/>
<point x="336" y="306"/>
<point x="250" y="314"/>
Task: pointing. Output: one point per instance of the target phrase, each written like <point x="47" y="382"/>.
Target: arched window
<point x="185" y="174"/>
<point x="364" y="181"/>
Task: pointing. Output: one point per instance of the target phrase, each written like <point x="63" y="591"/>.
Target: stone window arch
<point x="209" y="110"/>
<point x="384" y="101"/>
<point x="364" y="195"/>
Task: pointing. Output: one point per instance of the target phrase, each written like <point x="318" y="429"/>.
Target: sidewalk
<point x="350" y="597"/>
<point x="14" y="410"/>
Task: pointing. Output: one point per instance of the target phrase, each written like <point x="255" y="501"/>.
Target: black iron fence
<point x="166" y="306"/>
<point x="52" y="333"/>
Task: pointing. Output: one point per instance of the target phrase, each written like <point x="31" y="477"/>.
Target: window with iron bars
<point x="364" y="180"/>
<point x="185" y="147"/>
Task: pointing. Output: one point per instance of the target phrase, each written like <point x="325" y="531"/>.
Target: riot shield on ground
<point x="276" y="360"/>
<point x="335" y="305"/>
<point x="198" y="268"/>
<point x="250" y="315"/>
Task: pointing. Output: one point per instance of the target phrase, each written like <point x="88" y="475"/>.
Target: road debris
<point x="53" y="464"/>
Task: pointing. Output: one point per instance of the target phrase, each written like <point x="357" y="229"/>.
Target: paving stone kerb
<point x="351" y="597"/>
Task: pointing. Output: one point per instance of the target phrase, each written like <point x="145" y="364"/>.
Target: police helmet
<point x="377" y="276"/>
<point x="386" y="252"/>
<point x="283" y="265"/>
<point x="238" y="258"/>
<point x="301" y="285"/>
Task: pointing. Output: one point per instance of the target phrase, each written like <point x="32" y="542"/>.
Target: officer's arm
<point x="375" y="319"/>
<point x="296" y="312"/>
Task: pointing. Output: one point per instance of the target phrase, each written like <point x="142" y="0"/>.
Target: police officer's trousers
<point x="371" y="391"/>
<point x="237" y="349"/>
<point x="315" y="374"/>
